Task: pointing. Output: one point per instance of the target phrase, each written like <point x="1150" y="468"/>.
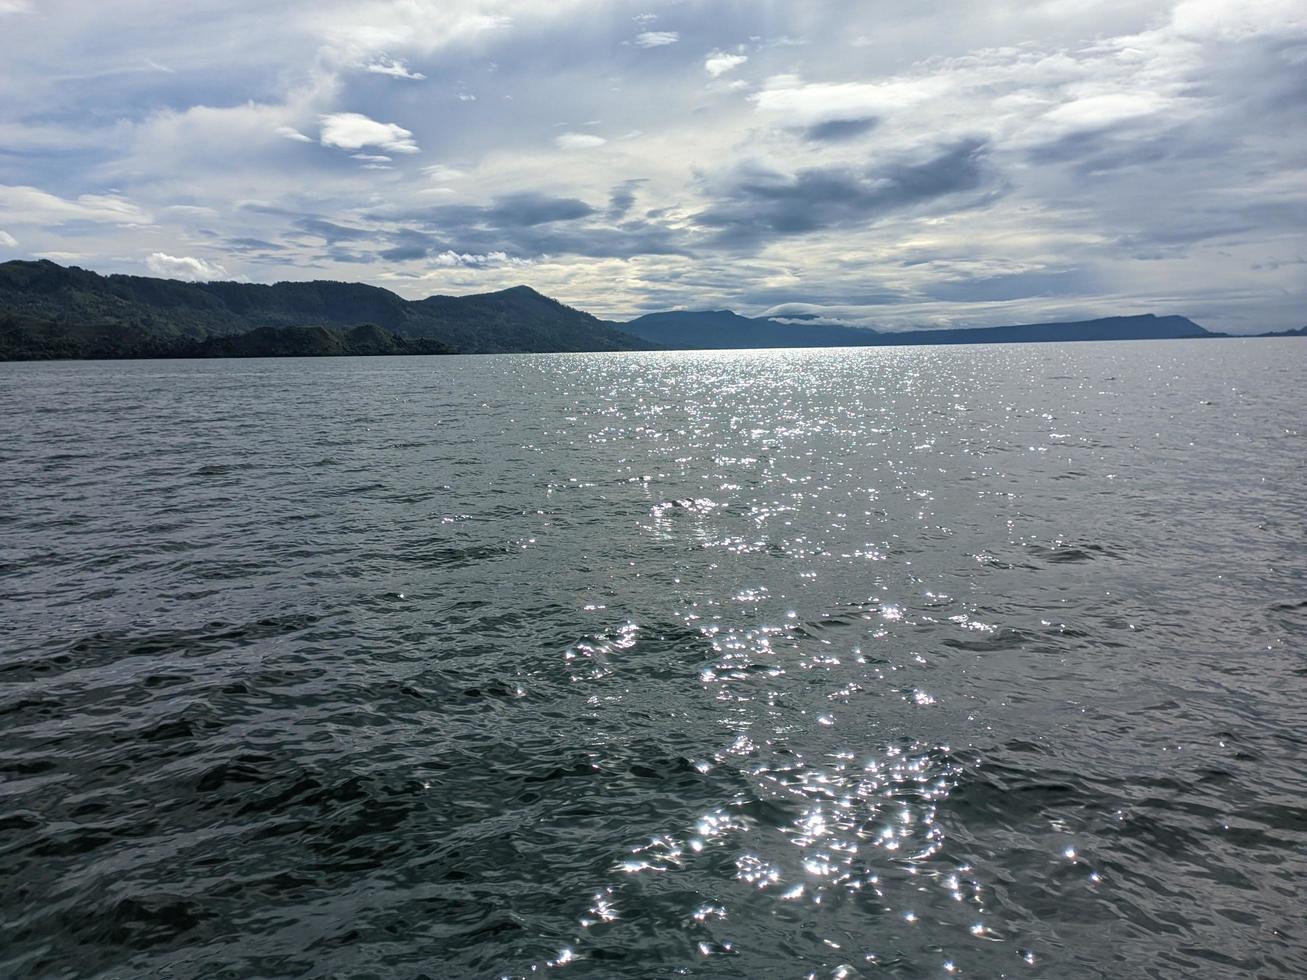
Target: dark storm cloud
<point x="760" y="205"/>
<point x="837" y="130"/>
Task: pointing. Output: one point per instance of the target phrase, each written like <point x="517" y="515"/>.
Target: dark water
<point x="925" y="662"/>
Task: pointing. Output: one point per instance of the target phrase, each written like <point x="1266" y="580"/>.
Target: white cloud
<point x="14" y="6"/>
<point x="7" y="240"/>
<point x="184" y="267"/>
<point x="1230" y="20"/>
<point x="395" y="68"/>
<point x="31" y="205"/>
<point x="205" y="142"/>
<point x="1099" y="111"/>
<point x="464" y="260"/>
<point x="374" y="161"/>
<point x="579" y="141"/>
<point x="362" y="30"/>
<point x="807" y="104"/>
<point x="720" y="62"/>
<point x="441" y="172"/>
<point x="359" y="30"/>
<point x="354" y="131"/>
<point x="291" y="133"/>
<point x="656" y="39"/>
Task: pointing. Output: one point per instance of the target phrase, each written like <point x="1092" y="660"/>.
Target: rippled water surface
<point x="909" y="662"/>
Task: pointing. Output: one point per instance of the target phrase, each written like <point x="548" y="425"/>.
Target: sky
<point x="884" y="163"/>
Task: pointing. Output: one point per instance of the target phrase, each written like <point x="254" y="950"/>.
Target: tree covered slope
<point x="75" y="301"/>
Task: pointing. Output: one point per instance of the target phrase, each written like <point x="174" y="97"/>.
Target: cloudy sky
<point x="891" y="163"/>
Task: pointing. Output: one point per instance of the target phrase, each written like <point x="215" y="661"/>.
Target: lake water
<point x="929" y="662"/>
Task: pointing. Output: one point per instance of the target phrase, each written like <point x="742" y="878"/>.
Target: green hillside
<point x="67" y="306"/>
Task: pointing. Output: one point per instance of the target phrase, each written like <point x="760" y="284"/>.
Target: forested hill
<point x="55" y="301"/>
<point x="24" y="338"/>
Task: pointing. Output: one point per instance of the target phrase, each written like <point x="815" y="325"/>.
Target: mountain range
<point x="724" y="330"/>
<point x="52" y="311"/>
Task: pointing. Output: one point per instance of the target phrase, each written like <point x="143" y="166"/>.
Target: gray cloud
<point x="758" y="205"/>
<point x="329" y="230"/>
<point x="527" y="209"/>
<point x="250" y="245"/>
<point x="840" y="129"/>
<point x="528" y="225"/>
<point x="463" y="231"/>
<point x="621" y="199"/>
<point x="1097" y="152"/>
<point x="1022" y="285"/>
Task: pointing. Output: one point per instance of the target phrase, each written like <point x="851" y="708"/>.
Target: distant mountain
<point x="722" y="330"/>
<point x="1300" y="332"/>
<point x="73" y="303"/>
<point x="1146" y="326"/>
<point x="48" y="310"/>
<point x="517" y="319"/>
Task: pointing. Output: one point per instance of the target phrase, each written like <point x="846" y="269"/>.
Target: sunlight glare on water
<point x="834" y="663"/>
